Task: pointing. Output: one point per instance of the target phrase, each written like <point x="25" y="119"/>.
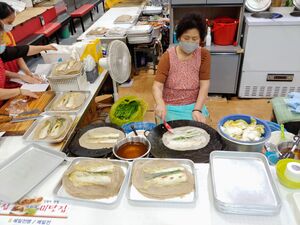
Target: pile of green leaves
<point x="127" y="109"/>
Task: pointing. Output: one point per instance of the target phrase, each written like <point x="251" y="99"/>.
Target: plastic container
<point x="224" y="30"/>
<point x="208" y="37"/>
<point x="64" y="32"/>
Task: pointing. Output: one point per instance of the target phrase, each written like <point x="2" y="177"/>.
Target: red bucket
<point x="224" y="30"/>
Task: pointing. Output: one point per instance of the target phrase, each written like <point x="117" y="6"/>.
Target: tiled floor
<point x="218" y="107"/>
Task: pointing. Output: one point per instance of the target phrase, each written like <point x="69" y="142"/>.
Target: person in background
<point x="8" y="53"/>
<point x="13" y="67"/>
<point x="182" y="81"/>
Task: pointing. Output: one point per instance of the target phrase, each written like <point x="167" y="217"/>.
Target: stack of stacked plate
<point x="140" y="34"/>
<point x="152" y="10"/>
<point x="242" y="184"/>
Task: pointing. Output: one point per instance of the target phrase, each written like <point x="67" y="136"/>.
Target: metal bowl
<point x="136" y="139"/>
<point x="284" y="146"/>
<point x="244" y="146"/>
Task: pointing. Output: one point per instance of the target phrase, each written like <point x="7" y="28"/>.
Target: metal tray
<point x="59" y="95"/>
<point x="136" y="198"/>
<point x="28" y="136"/>
<point x="132" y="21"/>
<point x="27" y="168"/>
<point x="60" y="192"/>
<point x="140" y="30"/>
<point x="242" y="181"/>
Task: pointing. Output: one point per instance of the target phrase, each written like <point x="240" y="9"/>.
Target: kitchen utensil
<point x="244" y="146"/>
<point x="30" y="112"/>
<point x="134" y="130"/>
<point x="18" y="120"/>
<point x="110" y="203"/>
<point x="136" y="139"/>
<point x="242" y="183"/>
<point x="76" y="149"/>
<point x="159" y="150"/>
<point x="257" y="5"/>
<point x="168" y="127"/>
<point x="24" y="170"/>
<point x="282" y="136"/>
<point x="136" y="198"/>
<point x="291" y="152"/>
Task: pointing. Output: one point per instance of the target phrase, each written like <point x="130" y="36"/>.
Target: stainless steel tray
<point x="59" y="95"/>
<point x="136" y="198"/>
<point x="112" y="202"/>
<point x="242" y="183"/>
<point x="28" y="136"/>
<point x="24" y="170"/>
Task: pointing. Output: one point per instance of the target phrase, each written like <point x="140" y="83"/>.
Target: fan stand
<point x="115" y="94"/>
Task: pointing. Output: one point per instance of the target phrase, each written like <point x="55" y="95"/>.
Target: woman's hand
<point x="50" y="47"/>
<point x="28" y="93"/>
<point x="161" y="111"/>
<point x="198" y="116"/>
<point x="30" y="79"/>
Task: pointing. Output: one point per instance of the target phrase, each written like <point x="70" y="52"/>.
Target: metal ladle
<point x="134" y="130"/>
<point x="291" y="153"/>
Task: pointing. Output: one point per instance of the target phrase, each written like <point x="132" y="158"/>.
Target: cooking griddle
<point x="77" y="150"/>
<point x="159" y="150"/>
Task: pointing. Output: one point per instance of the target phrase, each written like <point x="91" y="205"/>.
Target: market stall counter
<point x="10" y="144"/>
<point x="203" y="211"/>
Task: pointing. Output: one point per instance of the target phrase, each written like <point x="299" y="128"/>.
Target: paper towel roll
<point x="292" y="171"/>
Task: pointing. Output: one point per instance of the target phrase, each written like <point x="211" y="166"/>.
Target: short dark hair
<point x="191" y="21"/>
<point x="5" y="10"/>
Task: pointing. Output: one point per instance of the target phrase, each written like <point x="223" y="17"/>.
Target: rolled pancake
<point x="186" y="138"/>
<point x="52" y="128"/>
<point x="101" y="137"/>
<point x="162" y="179"/>
<point x="69" y="101"/>
<point x="93" y="179"/>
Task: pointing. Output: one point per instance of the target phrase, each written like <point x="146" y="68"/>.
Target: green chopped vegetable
<point x="127" y="109"/>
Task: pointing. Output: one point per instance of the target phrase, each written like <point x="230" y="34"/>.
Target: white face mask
<point x="188" y="47"/>
<point x="8" y="27"/>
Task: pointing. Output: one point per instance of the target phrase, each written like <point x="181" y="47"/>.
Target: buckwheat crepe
<point x="186" y="138"/>
<point x="69" y="101"/>
<point x="162" y="179"/>
<point x="52" y="128"/>
<point x="101" y="137"/>
<point x="93" y="179"/>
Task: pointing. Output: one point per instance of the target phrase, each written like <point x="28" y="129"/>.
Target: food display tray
<point x="242" y="183"/>
<point x="136" y="198"/>
<point x="28" y="136"/>
<point x="21" y="172"/>
<point x="112" y="202"/>
<point x="140" y="30"/>
<point x="49" y="109"/>
<point x="132" y="21"/>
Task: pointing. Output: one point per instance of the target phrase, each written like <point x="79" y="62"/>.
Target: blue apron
<point x="183" y="112"/>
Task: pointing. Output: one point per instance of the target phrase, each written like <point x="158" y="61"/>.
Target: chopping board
<point x="20" y="128"/>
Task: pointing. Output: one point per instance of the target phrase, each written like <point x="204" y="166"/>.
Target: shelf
<point x="224" y="49"/>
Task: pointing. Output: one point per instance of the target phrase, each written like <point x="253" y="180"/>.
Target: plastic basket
<point x="224" y="30"/>
<point x="69" y="83"/>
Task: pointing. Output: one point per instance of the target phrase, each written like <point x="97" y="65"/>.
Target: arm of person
<point x="16" y="52"/>
<point x="202" y="96"/>
<point x="160" y="109"/>
<point x="23" y="66"/>
<point x="10" y="93"/>
<point x="24" y="77"/>
<point x="158" y="85"/>
<point x="204" y="86"/>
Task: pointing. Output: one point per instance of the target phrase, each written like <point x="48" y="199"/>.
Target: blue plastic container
<point x="138" y="126"/>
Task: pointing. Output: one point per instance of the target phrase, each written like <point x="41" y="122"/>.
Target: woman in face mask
<point x="182" y="80"/>
<point x="7" y="17"/>
<point x="8" y="53"/>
